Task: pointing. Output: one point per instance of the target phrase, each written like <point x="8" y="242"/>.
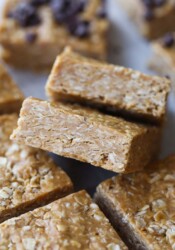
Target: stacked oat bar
<point x="105" y="115"/>
<point x="30" y="179"/>
<point x="67" y="127"/>
<point x="89" y="135"/>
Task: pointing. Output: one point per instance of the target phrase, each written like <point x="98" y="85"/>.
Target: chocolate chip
<point x="37" y="3"/>
<point x="149" y="15"/>
<point x="63" y="10"/>
<point x="148" y="3"/>
<point x="82" y="29"/>
<point x="101" y="12"/>
<point x="31" y="37"/>
<point x="153" y="3"/>
<point x="67" y="12"/>
<point x="26" y="15"/>
<point x="168" y="40"/>
<point x="158" y="3"/>
<point x="79" y="28"/>
<point x="81" y="5"/>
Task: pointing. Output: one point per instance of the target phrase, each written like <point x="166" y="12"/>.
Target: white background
<point x="127" y="48"/>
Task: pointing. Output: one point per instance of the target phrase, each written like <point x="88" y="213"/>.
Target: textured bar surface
<point x="11" y="97"/>
<point x="163" y="60"/>
<point x="28" y="177"/>
<point x="153" y="18"/>
<point x="39" y="44"/>
<point x="71" y="223"/>
<point x="79" y="79"/>
<point x="142" y="206"/>
<point x="87" y="135"/>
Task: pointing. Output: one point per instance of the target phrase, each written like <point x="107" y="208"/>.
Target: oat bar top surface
<point x="9" y="92"/>
<point x="25" y="173"/>
<point x="146" y="201"/>
<point x="73" y="222"/>
<point x="77" y="78"/>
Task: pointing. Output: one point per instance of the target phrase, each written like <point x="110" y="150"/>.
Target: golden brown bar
<point x="118" y="89"/>
<point x="163" y="59"/>
<point x="153" y="18"/>
<point x="28" y="177"/>
<point x="11" y="97"/>
<point x="32" y="34"/>
<point x="142" y="206"/>
<point x="87" y="135"/>
<point x="74" y="222"/>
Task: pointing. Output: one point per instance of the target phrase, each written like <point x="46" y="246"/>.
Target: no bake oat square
<point x="163" y="59"/>
<point x="87" y="135"/>
<point x="28" y="177"/>
<point x="141" y="206"/>
<point x="153" y="18"/>
<point x="33" y="32"/>
<point x="11" y="97"/>
<point x="120" y="90"/>
<point x="74" y="222"/>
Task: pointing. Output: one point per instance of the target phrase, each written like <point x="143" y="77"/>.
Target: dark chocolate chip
<point x="158" y="3"/>
<point x="101" y="12"/>
<point x="31" y="37"/>
<point x="149" y="15"/>
<point x="148" y="3"/>
<point x="79" y="28"/>
<point x="153" y="3"/>
<point x="82" y="29"/>
<point x="63" y="10"/>
<point x="168" y="40"/>
<point x="26" y="15"/>
<point x="37" y="3"/>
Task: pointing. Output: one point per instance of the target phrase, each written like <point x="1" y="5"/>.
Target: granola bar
<point x="11" y="97"/>
<point x="153" y="18"/>
<point x="33" y="32"/>
<point x="117" y="89"/>
<point x="163" y="60"/>
<point x="142" y="206"/>
<point x="74" y="222"/>
<point x="28" y="177"/>
<point x="87" y="135"/>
